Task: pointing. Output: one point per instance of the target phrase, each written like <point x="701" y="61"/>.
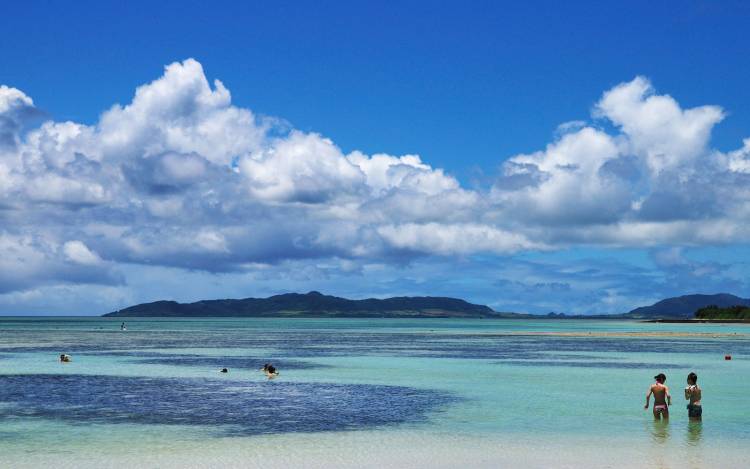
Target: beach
<point x="367" y="393"/>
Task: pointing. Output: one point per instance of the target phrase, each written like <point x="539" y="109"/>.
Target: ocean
<point x="374" y="393"/>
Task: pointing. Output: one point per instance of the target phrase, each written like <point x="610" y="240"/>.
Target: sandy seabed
<point x="390" y="449"/>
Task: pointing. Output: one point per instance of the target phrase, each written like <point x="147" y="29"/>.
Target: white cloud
<point x="385" y="172"/>
<point x="12" y="99"/>
<point x="656" y="181"/>
<point x="32" y="260"/>
<point x="568" y="185"/>
<point x="51" y="187"/>
<point x="78" y="252"/>
<point x="454" y="239"/>
<point x="14" y="107"/>
<point x="657" y="129"/>
<point x="180" y="113"/>
<point x="181" y="177"/>
<point x="301" y="168"/>
<point x="739" y="160"/>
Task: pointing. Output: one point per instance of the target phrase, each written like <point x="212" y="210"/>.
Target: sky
<point x="533" y="156"/>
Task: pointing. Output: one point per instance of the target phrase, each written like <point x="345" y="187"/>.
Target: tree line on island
<point x="731" y="312"/>
<point x="721" y="306"/>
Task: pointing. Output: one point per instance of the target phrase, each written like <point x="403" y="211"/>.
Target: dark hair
<point x="692" y="377"/>
<point x="271" y="369"/>
<point x="660" y="377"/>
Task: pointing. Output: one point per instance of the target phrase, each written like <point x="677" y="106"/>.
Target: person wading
<point x="662" y="399"/>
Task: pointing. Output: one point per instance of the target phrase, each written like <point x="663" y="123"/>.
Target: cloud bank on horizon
<point x="181" y="178"/>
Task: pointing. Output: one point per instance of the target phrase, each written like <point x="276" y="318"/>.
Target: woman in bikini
<point x="693" y="393"/>
<point x="662" y="399"/>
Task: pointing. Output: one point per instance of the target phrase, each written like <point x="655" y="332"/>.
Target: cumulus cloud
<point x="301" y="167"/>
<point x="567" y="183"/>
<point x="454" y="238"/>
<point x="30" y="261"/>
<point x="739" y="161"/>
<point x="182" y="177"/>
<point x="181" y="113"/>
<point x="655" y="126"/>
<point x="79" y="253"/>
<point x="654" y="181"/>
<point x="14" y="107"/>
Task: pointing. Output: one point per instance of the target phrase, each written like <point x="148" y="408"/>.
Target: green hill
<point x="684" y="307"/>
<point x="312" y="304"/>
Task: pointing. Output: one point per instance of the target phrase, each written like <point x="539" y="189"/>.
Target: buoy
<point x="727" y="357"/>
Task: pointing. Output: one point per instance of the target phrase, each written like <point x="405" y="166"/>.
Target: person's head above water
<point x="692" y="378"/>
<point x="660" y="378"/>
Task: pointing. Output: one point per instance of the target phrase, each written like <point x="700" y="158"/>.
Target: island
<point x="731" y="313"/>
<point x="316" y="304"/>
<point x="683" y="308"/>
<point x="721" y="307"/>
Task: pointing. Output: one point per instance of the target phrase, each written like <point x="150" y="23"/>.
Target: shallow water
<point x="370" y="392"/>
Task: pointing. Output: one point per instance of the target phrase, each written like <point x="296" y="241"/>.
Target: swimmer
<point x="122" y="327"/>
<point x="270" y="371"/>
<point x="223" y="370"/>
<point x="662" y="399"/>
<point x="693" y="394"/>
<point x="64" y="358"/>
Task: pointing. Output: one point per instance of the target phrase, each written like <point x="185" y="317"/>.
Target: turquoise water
<point x="367" y="393"/>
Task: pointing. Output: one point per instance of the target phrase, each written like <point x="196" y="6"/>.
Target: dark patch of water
<point x="322" y="343"/>
<point x="233" y="407"/>
<point x="593" y="364"/>
<point x="242" y="363"/>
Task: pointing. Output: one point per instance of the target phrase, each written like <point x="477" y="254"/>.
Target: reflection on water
<point x="694" y="432"/>
<point x="694" y="456"/>
<point x="662" y="452"/>
<point x="660" y="431"/>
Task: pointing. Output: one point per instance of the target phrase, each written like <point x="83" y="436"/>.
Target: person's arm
<point x="688" y="392"/>
<point x="648" y="397"/>
<point x="669" y="396"/>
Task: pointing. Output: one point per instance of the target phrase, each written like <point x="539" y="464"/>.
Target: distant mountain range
<point x="314" y="304"/>
<point x="684" y="307"/>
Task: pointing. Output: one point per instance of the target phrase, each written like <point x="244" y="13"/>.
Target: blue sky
<point x="547" y="178"/>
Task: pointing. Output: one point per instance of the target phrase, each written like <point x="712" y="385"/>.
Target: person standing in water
<point x="662" y="399"/>
<point x="693" y="394"/>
